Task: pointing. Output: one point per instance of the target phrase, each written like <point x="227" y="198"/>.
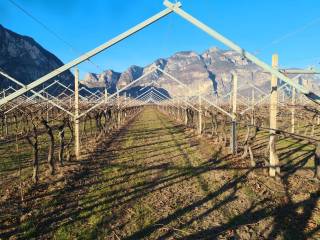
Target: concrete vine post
<point x="180" y="110"/>
<point x="118" y="109"/>
<point x="252" y="106"/>
<point x="293" y="102"/>
<point x="47" y="107"/>
<point x="317" y="162"/>
<point x="105" y="95"/>
<point x="273" y="157"/>
<point x="76" y="114"/>
<point x="186" y="113"/>
<point x="233" y="137"/>
<point x="200" y="114"/>
<point x="124" y="103"/>
<point x="252" y="100"/>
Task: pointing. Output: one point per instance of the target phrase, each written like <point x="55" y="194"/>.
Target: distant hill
<point x="24" y="59"/>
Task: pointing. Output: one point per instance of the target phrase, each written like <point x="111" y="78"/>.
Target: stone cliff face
<point x="189" y="68"/>
<point x="107" y="78"/>
<point x="209" y="73"/>
<point x="24" y="59"/>
<point x="131" y="74"/>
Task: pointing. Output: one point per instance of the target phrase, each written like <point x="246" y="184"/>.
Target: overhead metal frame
<point x="202" y="98"/>
<point x="171" y="7"/>
<point x="29" y="98"/>
<point x="312" y="96"/>
<point x="266" y="96"/>
<point x="145" y="95"/>
<point x="117" y="92"/>
<point x="89" y="54"/>
<point x="34" y="92"/>
<point x="183" y="100"/>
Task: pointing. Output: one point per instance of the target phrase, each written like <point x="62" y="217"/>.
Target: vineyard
<point x="91" y="164"/>
<point x="162" y="167"/>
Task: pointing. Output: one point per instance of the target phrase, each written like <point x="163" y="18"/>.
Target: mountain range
<point x="208" y="73"/>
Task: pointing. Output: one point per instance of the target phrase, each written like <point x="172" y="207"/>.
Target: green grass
<point x="251" y="194"/>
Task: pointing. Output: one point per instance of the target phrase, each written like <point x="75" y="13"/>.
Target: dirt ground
<point x="157" y="180"/>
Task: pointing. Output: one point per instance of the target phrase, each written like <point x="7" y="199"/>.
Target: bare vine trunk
<point x="62" y="142"/>
<point x="69" y="144"/>
<point x="50" y="159"/>
<point x="35" y="149"/>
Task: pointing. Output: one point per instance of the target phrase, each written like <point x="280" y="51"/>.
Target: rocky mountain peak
<point x="26" y="60"/>
<point x="131" y="74"/>
<point x="214" y="50"/>
<point x="185" y="54"/>
<point x="161" y="63"/>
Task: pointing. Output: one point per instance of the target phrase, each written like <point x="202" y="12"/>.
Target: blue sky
<point x="288" y="27"/>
